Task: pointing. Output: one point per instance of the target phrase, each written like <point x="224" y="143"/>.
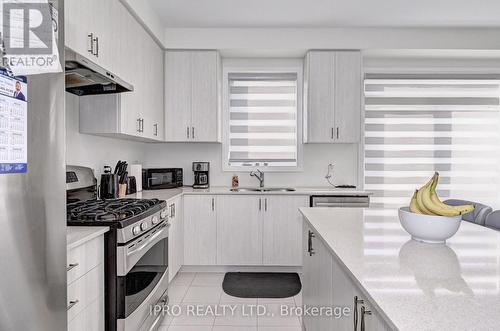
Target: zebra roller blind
<point x="263" y="119"/>
<point x="417" y="125"/>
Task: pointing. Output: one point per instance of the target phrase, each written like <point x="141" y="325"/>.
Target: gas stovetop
<point x="117" y="212"/>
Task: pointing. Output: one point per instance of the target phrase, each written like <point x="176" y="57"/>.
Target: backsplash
<point x="315" y="162"/>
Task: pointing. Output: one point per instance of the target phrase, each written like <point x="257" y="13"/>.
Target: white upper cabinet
<point x="332" y="96"/>
<point x="177" y="96"/>
<point x="91" y="31"/>
<point x="192" y="96"/>
<point x="130" y="53"/>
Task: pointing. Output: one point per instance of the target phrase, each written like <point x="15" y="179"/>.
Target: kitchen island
<point x="403" y="284"/>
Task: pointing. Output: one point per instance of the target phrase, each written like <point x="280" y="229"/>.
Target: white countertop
<point x="78" y="235"/>
<point x="417" y="286"/>
<point x="218" y="190"/>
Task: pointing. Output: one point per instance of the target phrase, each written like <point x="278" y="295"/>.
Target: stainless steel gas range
<point x="136" y="252"/>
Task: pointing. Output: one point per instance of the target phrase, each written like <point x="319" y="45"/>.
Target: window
<point x="261" y="120"/>
<point x="417" y="125"/>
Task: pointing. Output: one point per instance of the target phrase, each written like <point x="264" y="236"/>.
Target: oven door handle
<point x="151" y="240"/>
<point x="128" y="256"/>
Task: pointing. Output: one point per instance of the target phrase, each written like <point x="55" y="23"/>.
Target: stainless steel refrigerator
<point x="33" y="214"/>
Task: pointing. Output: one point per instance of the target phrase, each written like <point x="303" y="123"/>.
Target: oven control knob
<point x="136" y="230"/>
<point x="163" y="215"/>
<point x="144" y="226"/>
<point x="155" y="220"/>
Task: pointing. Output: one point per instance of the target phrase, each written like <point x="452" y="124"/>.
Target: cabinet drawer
<point x="85" y="290"/>
<point x="83" y="258"/>
<point x="90" y="319"/>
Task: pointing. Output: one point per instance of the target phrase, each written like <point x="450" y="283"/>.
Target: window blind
<point x="263" y="119"/>
<point x="415" y="126"/>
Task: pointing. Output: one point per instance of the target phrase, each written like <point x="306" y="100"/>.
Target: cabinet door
<point x="343" y="296"/>
<point x="239" y="230"/>
<point x="200" y="230"/>
<point x="175" y="238"/>
<point x="317" y="289"/>
<point x="152" y="98"/>
<point x="348" y="88"/>
<point x="78" y="22"/>
<point x="368" y="316"/>
<point x="320" y="96"/>
<point x="282" y="230"/>
<point x="307" y="278"/>
<point x="178" y="96"/>
<point x="131" y="101"/>
<point x="204" y="105"/>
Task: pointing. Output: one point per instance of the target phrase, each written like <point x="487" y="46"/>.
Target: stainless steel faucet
<point x="259" y="175"/>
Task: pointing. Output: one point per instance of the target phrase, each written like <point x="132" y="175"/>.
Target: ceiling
<point x="327" y="13"/>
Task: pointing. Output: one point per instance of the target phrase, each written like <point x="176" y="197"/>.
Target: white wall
<point x="93" y="151"/>
<point x="316" y="159"/>
<point x="149" y="19"/>
<point x="294" y="41"/>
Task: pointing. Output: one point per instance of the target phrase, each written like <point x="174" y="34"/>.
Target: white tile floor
<point x="204" y="290"/>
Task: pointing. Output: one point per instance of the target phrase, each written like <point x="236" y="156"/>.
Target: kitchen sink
<point x="263" y="189"/>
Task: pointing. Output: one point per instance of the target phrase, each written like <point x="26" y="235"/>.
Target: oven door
<point x="142" y="278"/>
<point x="161" y="178"/>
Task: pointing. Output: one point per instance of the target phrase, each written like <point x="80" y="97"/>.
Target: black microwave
<point x="161" y="178"/>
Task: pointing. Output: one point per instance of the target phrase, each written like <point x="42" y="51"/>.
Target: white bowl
<point x="427" y="228"/>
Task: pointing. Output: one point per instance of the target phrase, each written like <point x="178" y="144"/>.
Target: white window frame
<point x="244" y="65"/>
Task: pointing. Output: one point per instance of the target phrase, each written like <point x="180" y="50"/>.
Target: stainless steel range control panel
<point x="137" y="229"/>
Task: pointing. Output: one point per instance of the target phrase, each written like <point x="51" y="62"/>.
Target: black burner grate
<point x="108" y="210"/>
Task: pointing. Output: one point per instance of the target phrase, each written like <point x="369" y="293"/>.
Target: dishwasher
<point x="339" y="201"/>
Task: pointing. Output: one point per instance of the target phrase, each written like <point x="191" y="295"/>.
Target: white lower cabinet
<point x="175" y="237"/>
<point x="246" y="230"/>
<point x="325" y="283"/>
<point x="282" y="228"/>
<point x="317" y="288"/>
<point x="239" y="230"/>
<point x="85" y="294"/>
<point x="200" y="230"/>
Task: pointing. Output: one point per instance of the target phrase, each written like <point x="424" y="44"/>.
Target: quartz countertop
<point x="78" y="235"/>
<point x="168" y="194"/>
<point x="416" y="286"/>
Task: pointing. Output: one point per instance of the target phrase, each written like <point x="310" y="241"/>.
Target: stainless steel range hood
<point x="83" y="77"/>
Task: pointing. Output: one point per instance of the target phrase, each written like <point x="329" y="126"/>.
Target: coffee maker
<point x="201" y="170"/>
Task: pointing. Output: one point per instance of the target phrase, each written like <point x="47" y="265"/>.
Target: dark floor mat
<point x="261" y="284"/>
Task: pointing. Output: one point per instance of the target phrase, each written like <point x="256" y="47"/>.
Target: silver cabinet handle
<point x="265" y="204"/>
<point x="364" y="312"/>
<point x="310" y="244"/>
<point x="355" y="315"/>
<point x="173" y="208"/>
<point x="72" y="266"/>
<point x="156" y="129"/>
<point x="260" y="204"/>
<point x="213" y="204"/>
<point x="96" y="39"/>
<point x="331" y="134"/>
<point x="72" y="304"/>
<point x="91" y="46"/>
<point x="139" y="125"/>
<point x="338" y="135"/>
<point x="142" y="124"/>
<point x="187" y="132"/>
<point x="192" y="132"/>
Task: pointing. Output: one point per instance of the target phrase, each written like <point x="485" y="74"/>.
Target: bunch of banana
<point x="426" y="201"/>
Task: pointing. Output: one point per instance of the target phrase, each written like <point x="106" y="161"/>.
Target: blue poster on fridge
<point x="13" y="123"/>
